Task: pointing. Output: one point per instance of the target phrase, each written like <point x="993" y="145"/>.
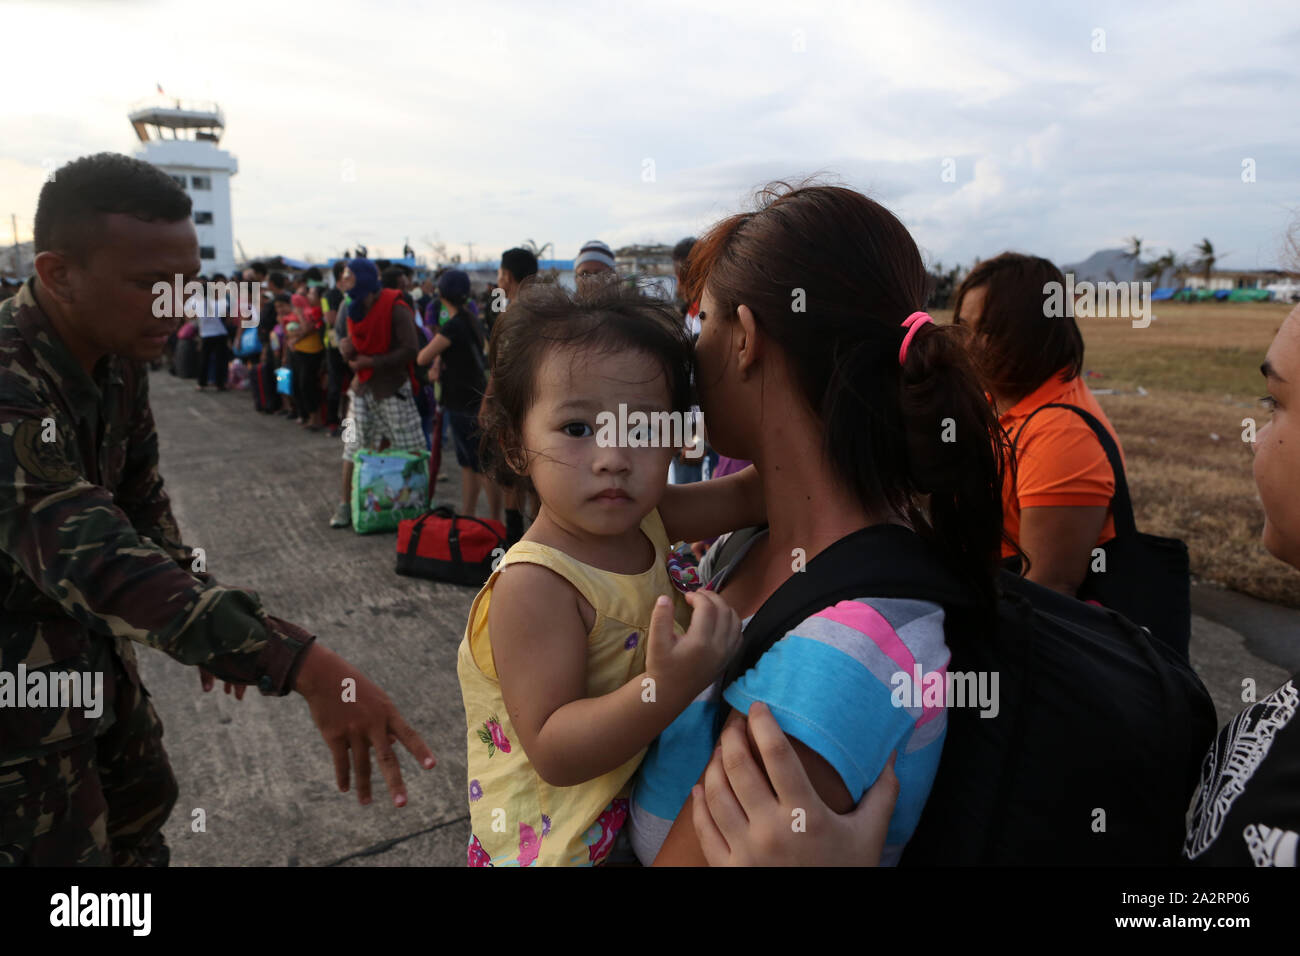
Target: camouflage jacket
<point x="90" y="555"/>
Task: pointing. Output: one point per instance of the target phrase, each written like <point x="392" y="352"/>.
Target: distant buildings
<point x="16" y="262"/>
<point x="181" y="139"/>
<point x="644" y="260"/>
<point x="1232" y="278"/>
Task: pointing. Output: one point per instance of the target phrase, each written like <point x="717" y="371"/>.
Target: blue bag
<point x="284" y="381"/>
<point x="248" y="343"/>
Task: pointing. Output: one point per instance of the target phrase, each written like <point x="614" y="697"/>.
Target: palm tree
<point x="1157" y="267"/>
<point x="1134" y="252"/>
<point x="1205" y="259"/>
<point x="535" y="249"/>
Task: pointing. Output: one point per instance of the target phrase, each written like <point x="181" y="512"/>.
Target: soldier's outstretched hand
<point x="207" y="682"/>
<point x="353" y="714"/>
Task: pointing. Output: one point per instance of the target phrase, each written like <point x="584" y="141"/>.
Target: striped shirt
<point x="830" y="683"/>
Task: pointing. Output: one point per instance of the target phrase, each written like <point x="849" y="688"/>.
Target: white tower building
<point x="181" y="139"/>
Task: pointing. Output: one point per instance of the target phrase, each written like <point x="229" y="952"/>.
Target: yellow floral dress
<point x="517" y="819"/>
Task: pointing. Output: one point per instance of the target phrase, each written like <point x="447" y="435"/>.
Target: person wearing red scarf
<point x="377" y="338"/>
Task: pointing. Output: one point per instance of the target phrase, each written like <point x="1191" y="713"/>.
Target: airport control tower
<point x="181" y="138"/>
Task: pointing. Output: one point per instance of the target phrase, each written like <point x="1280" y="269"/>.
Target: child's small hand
<point x="683" y="666"/>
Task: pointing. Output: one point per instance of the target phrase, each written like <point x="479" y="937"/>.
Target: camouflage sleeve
<point x="106" y="569"/>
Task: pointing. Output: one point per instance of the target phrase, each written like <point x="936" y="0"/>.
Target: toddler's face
<point x="587" y="485"/>
<point x="1277" y="445"/>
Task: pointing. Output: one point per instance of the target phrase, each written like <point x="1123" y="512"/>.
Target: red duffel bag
<point x="444" y="546"/>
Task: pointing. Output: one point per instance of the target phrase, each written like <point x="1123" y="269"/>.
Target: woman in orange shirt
<point x="1056" y="504"/>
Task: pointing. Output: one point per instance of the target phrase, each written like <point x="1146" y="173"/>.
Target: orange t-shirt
<point x="1059" y="460"/>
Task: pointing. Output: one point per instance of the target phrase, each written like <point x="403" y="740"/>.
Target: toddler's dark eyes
<point x="577" y="429"/>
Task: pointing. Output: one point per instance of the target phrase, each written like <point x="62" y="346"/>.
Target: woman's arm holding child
<point x="739" y="821"/>
<point x="683" y="846"/>
<point x="705" y="509"/>
<point x="539" y="647"/>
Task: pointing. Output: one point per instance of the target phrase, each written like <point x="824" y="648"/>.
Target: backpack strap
<point x="883" y="561"/>
<point x="1121" y="505"/>
<point x="886" y="560"/>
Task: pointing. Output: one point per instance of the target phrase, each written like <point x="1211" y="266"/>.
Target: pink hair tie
<point x="911" y="323"/>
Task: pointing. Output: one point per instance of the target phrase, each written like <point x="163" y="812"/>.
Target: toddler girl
<point x="574" y="656"/>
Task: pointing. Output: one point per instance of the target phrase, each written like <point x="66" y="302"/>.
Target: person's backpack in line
<point x="1100" y="731"/>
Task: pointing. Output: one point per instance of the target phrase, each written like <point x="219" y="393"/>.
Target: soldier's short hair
<point x="80" y="192"/>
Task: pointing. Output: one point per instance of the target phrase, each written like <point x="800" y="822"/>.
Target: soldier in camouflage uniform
<point x="91" y="561"/>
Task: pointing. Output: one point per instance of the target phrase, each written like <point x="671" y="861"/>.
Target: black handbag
<point x="1147" y="578"/>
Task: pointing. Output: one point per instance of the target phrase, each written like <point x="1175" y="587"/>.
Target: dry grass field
<point x="1189" y="469"/>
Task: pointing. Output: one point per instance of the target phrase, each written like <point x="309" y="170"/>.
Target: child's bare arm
<point x="704" y="509"/>
<point x="539" y="646"/>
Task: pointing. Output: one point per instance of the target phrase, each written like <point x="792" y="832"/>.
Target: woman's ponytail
<point x="957" y="452"/>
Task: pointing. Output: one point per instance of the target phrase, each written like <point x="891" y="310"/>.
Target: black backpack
<point x="1100" y="732"/>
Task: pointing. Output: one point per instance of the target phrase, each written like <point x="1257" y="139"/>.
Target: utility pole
<point x="471" y="251"/>
<point x="13" y="218"/>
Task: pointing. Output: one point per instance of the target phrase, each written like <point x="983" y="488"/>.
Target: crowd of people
<point x="607" y="735"/>
<point x="389" y="382"/>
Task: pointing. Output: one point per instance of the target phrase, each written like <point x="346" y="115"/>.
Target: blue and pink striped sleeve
<point x="830" y="682"/>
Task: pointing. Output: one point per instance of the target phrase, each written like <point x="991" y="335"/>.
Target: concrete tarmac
<point x="256" y="492"/>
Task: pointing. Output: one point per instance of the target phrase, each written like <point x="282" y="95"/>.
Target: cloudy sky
<point x="493" y="122"/>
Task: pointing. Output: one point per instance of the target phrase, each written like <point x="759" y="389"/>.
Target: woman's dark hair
<point x="611" y="317"/>
<point x="830" y="276"/>
<point x="1017" y="344"/>
<point x="338" y="268"/>
<point x="391" y="278"/>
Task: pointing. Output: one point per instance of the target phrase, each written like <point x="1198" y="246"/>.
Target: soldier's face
<point x="114" y="290"/>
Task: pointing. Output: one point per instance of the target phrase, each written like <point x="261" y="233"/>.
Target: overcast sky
<point x="492" y="123"/>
